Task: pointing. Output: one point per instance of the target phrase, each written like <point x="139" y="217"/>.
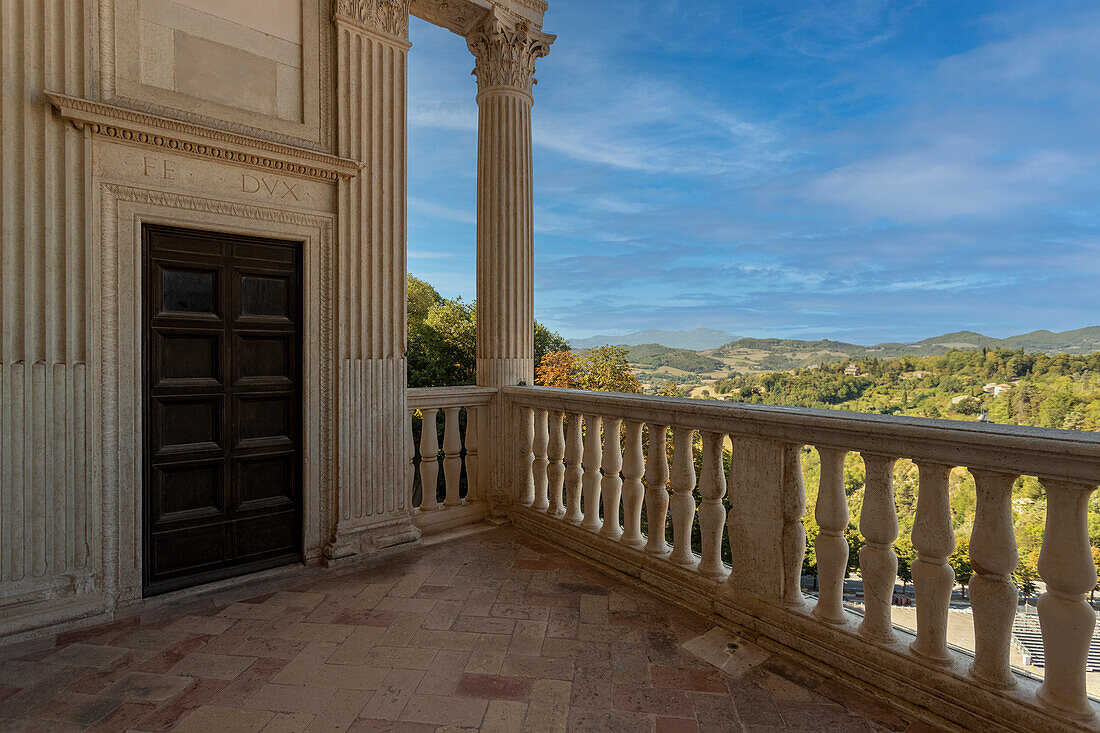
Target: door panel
<point x="223" y="424"/>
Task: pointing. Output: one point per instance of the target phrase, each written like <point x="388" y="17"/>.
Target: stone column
<point x="372" y="500"/>
<point x="505" y="51"/>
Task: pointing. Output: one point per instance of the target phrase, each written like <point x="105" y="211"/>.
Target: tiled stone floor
<point x="493" y="631"/>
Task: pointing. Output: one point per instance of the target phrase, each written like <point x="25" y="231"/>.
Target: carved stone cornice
<point x="505" y="53"/>
<point x="388" y="17"/>
<point x="127" y="124"/>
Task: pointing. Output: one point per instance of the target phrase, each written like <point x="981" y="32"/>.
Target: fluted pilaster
<point x="371" y="47"/>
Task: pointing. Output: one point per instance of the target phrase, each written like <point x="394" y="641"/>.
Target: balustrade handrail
<point x="440" y="397"/>
<point x="1055" y="454"/>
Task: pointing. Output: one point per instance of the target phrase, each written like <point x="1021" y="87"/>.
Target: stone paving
<point x="493" y="631"/>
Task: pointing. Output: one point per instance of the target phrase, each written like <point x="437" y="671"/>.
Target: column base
<point x="355" y="542"/>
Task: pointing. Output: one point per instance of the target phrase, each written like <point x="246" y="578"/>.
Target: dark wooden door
<point x="222" y="404"/>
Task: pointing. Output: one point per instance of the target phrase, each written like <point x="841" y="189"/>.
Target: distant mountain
<point x="759" y="355"/>
<point x="696" y="339"/>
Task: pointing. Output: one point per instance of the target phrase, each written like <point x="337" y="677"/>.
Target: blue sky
<point x="853" y="169"/>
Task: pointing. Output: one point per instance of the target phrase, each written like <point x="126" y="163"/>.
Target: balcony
<point x="566" y="621"/>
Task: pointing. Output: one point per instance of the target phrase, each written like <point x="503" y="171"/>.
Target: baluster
<point x="593" y="456"/>
<point x="429" y="460"/>
<point x="574" y="449"/>
<point x="831" y="545"/>
<point x="793" y="503"/>
<point x="526" y="456"/>
<point x="993" y="595"/>
<point x="612" y="484"/>
<point x="474" y="490"/>
<point x="712" y="515"/>
<point x="633" y="490"/>
<point x="555" y="470"/>
<point x="878" y="523"/>
<point x="452" y="456"/>
<point x="682" y="503"/>
<point x="656" y="493"/>
<point x="542" y="503"/>
<point x="1065" y="618"/>
<point x="410" y="468"/>
<point x="933" y="578"/>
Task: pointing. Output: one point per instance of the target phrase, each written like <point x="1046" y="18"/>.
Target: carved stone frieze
<point x="506" y="52"/>
<point x="383" y="16"/>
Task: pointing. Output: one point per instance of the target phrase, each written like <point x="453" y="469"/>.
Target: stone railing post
<point x="505" y="51"/>
<point x="452" y="456"/>
<point x="555" y="469"/>
<point x="682" y="504"/>
<point x="656" y="493"/>
<point x="633" y="489"/>
<point x="712" y="515"/>
<point x="611" y="486"/>
<point x="831" y="545"/>
<point x="794" y="534"/>
<point x="1065" y="617"/>
<point x="755" y="520"/>
<point x="933" y="578"/>
<point x="590" y="487"/>
<point x="878" y="523"/>
<point x="541" y="463"/>
<point x="993" y="595"/>
<point x="574" y="473"/>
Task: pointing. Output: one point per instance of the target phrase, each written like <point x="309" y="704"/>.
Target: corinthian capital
<point x="505" y="52"/>
<point x="383" y="16"/>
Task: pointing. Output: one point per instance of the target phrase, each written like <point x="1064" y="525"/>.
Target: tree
<point x="669" y="389"/>
<point x="1025" y="574"/>
<point x="547" y="341"/>
<point x="605" y="369"/>
<point x="855" y="542"/>
<point x="907" y="555"/>
<point x="442" y="338"/>
<point x="809" y="560"/>
<point x="559" y="369"/>
<point x="960" y="562"/>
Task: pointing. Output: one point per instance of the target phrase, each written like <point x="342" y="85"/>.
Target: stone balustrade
<point x="460" y="411"/>
<point x="593" y="473"/>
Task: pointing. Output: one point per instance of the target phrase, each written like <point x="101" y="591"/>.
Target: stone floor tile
<point x="126" y="716"/>
<point x="488" y="654"/>
<point x="583" y="720"/>
<point x="213" y="718"/>
<point x="291" y="698"/>
<point x="356" y="646"/>
<point x="81" y="655"/>
<point x="202" y="625"/>
<point x="390" y="726"/>
<point x="390" y="699"/>
<point x="480" y="603"/>
<point x="484" y="625"/>
<point x="30" y="725"/>
<point x="525" y="665"/>
<point x="199" y="693"/>
<point x="494" y="687"/>
<point x="147" y="686"/>
<point x="340" y="712"/>
<point x="289" y="723"/>
<point x="365" y="617"/>
<point x="592" y="686"/>
<point x="300" y="669"/>
<point x="350" y="676"/>
<point x="652" y="699"/>
<point x="694" y="680"/>
<point x="72" y="707"/>
<point x="463" y="712"/>
<point x="678" y="725"/>
<point x="217" y="666"/>
<point x="400" y="656"/>
<point x="503" y="716"/>
<point x="249" y="682"/>
<point x="260" y="611"/>
<point x="527" y="637"/>
<point x="444" y="674"/>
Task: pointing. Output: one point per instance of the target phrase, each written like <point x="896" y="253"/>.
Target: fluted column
<point x="505" y="52"/>
<point x="371" y="509"/>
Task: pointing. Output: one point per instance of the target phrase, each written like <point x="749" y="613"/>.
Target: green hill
<point x="655" y="356"/>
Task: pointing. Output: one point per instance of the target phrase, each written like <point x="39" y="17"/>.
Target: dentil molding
<point x="505" y="52"/>
<point x="184" y="137"/>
